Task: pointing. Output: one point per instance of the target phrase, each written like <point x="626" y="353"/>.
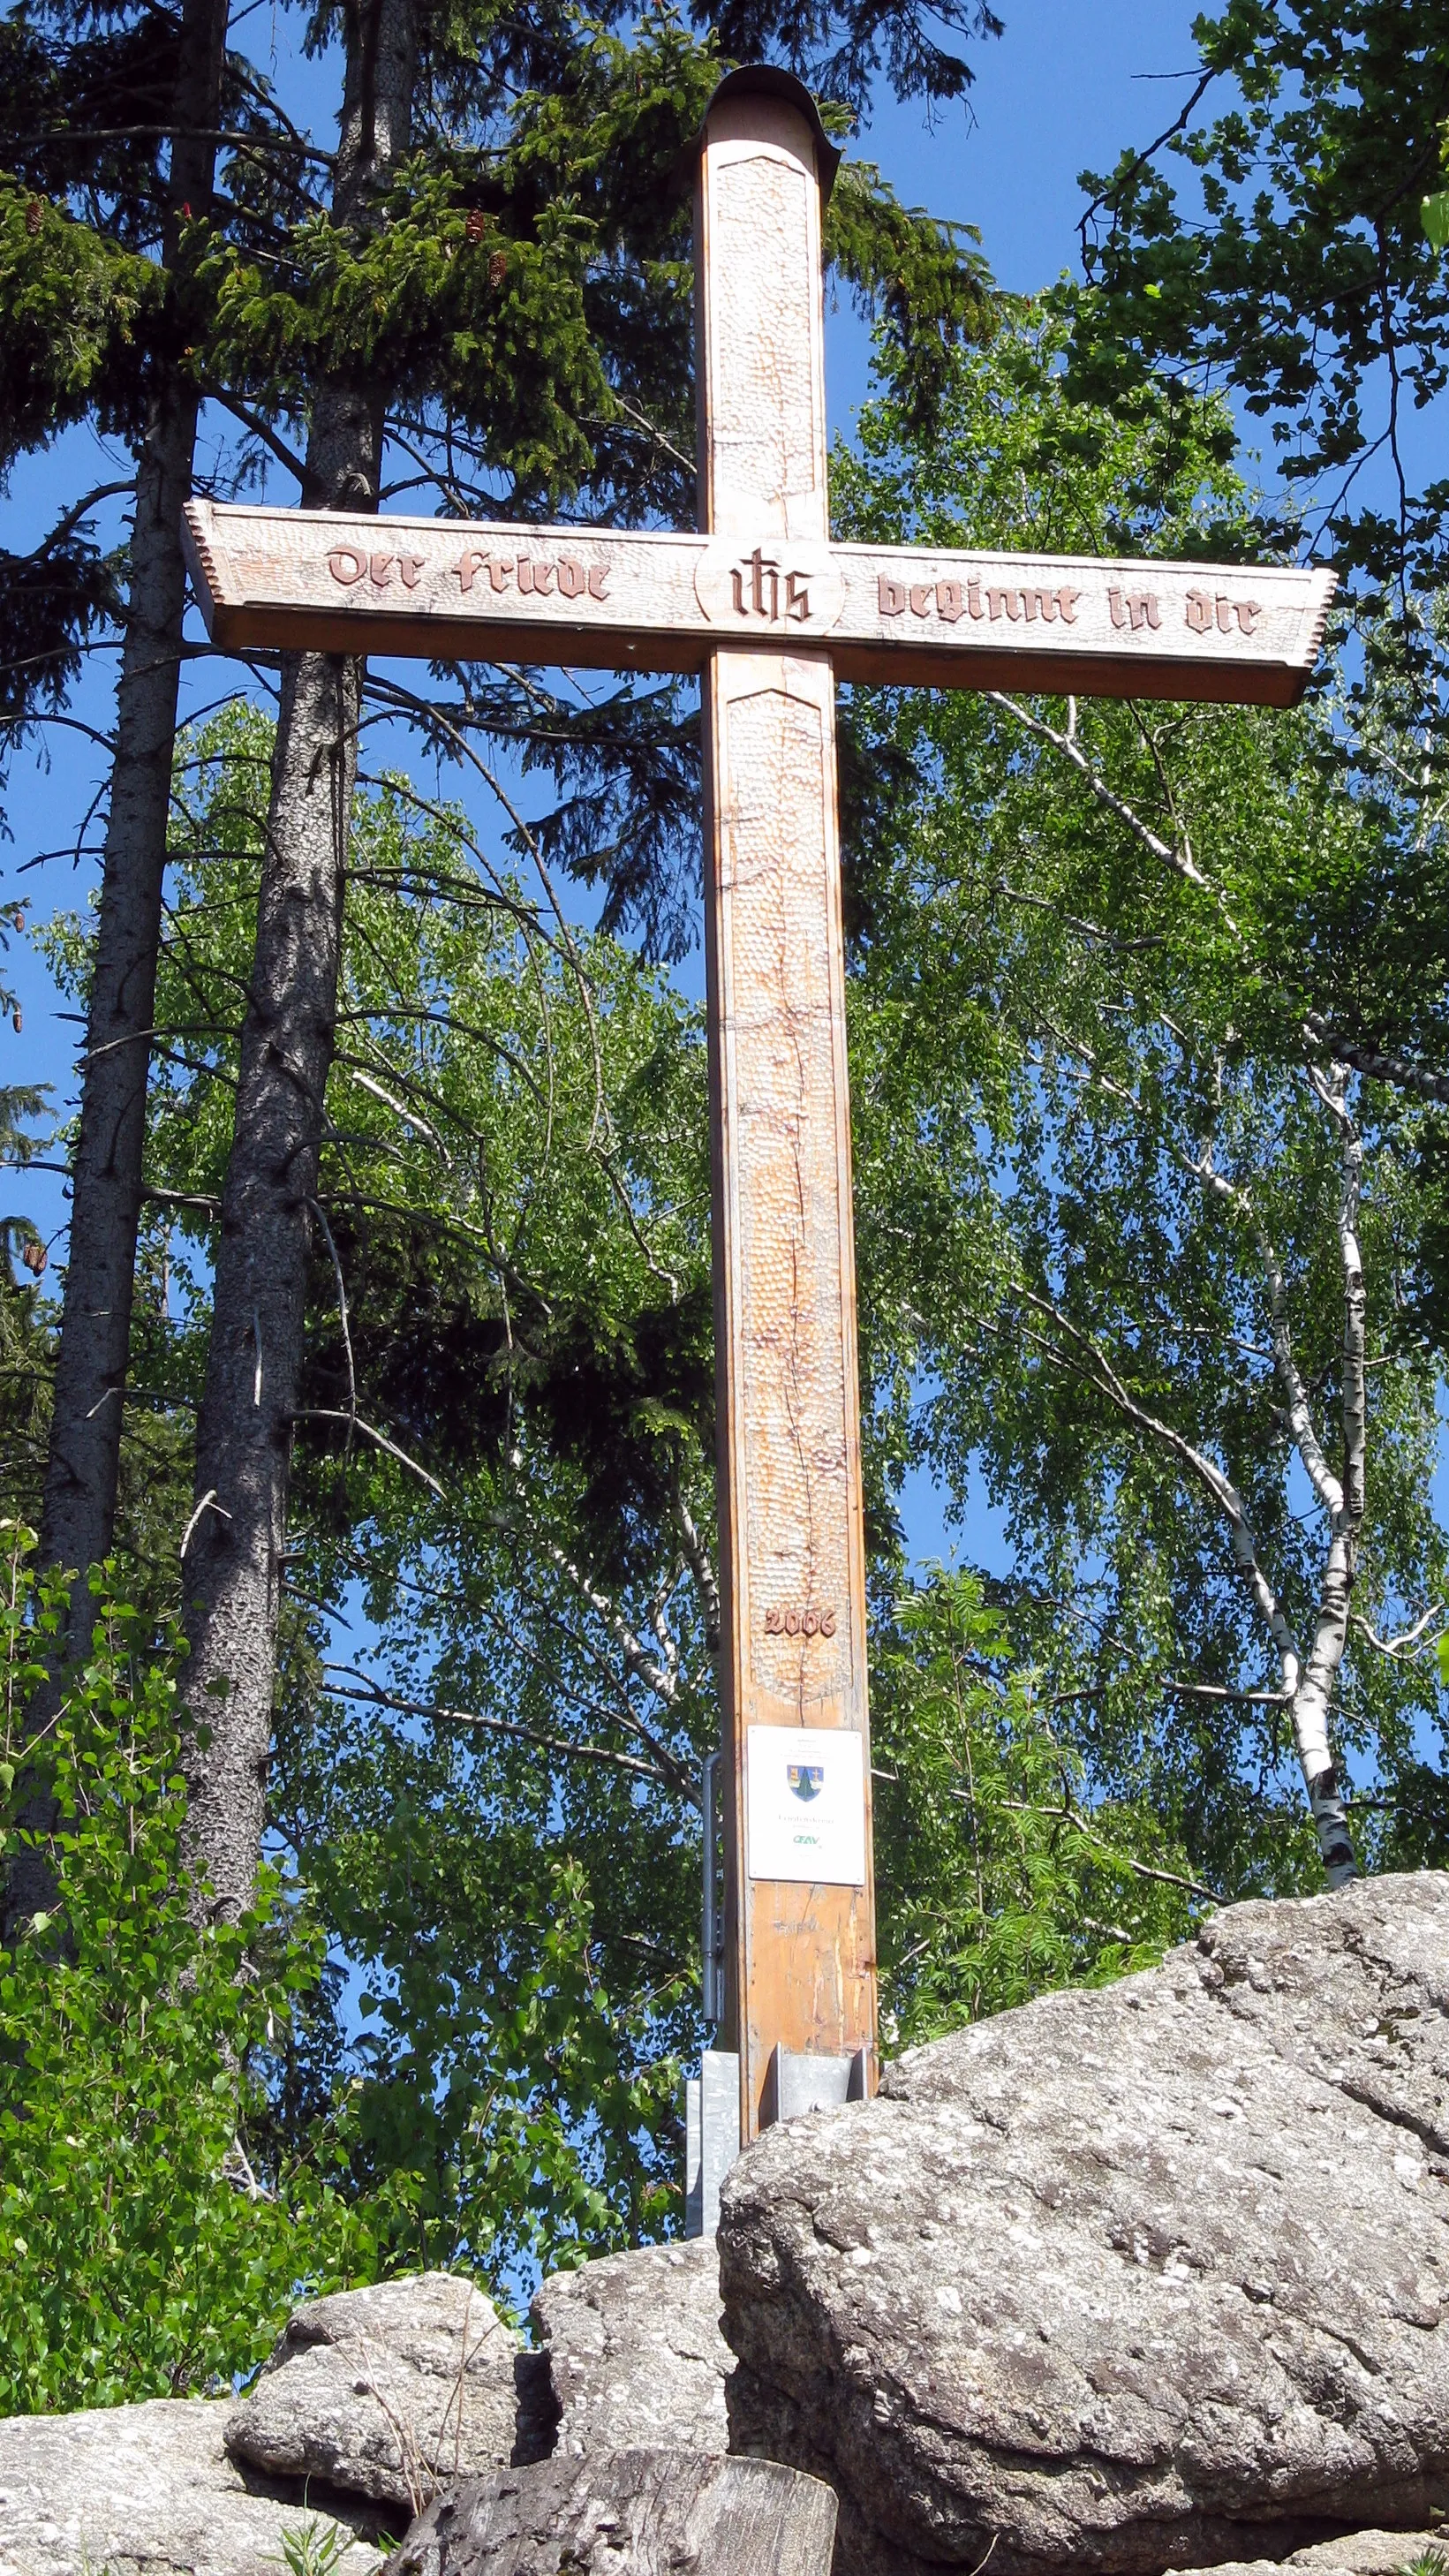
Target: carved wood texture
<point x="927" y="617"/>
<point x="803" y="1957"/>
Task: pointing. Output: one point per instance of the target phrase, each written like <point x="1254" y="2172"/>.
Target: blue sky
<point x="1067" y="87"/>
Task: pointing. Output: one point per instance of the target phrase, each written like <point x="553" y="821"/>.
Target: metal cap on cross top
<point x="772" y="615"/>
<point x="765" y="80"/>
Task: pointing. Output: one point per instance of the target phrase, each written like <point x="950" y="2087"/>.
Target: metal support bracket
<point x="802" y="2080"/>
<point x="711" y="2136"/>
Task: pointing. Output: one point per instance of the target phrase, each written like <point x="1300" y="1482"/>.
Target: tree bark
<point x="627" y="2513"/>
<point x="79" y="1509"/>
<point x="236" y="1542"/>
<point x="1345" y="1500"/>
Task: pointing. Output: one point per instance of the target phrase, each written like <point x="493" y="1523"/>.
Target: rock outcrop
<point x="1358" y="2553"/>
<point x="634" y="2350"/>
<point x="150" y="2491"/>
<point x="630" y="2513"/>
<point x="1153" y="2276"/>
<point x="388" y="2392"/>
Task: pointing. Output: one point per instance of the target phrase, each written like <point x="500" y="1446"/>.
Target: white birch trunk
<point x="1345" y="1505"/>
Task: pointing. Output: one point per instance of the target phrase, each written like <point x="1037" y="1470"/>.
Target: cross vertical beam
<point x="800" y="1955"/>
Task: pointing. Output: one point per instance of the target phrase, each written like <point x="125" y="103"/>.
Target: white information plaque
<point x="805" y="1804"/>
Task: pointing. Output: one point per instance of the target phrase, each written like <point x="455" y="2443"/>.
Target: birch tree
<point x="1173" y="1238"/>
<point x="1272" y="238"/>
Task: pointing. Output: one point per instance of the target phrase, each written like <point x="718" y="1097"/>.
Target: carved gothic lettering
<point x="536" y="577"/>
<point x="571" y="577"/>
<point x="380" y="569"/>
<point x="920" y="598"/>
<point x="973" y="600"/>
<point x="949" y="602"/>
<point x="597" y="578"/>
<point x="1067" y="599"/>
<point x="410" y="566"/>
<point x="1205" y="609"/>
<point x="1005" y="603"/>
<point x="472" y="560"/>
<point x="756" y="585"/>
<point x="892" y="596"/>
<point x="346" y="565"/>
<point x="1134" y="608"/>
<point x="797" y="596"/>
<point x="499" y="572"/>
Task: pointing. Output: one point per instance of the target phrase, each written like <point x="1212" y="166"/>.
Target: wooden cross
<point x="773" y="616"/>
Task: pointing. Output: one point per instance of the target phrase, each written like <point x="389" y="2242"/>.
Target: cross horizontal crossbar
<point x="447" y="589"/>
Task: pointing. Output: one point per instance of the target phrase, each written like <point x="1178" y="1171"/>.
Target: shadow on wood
<point x="632" y="2513"/>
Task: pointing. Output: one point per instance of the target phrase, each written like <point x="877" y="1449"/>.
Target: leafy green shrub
<point x="145" y="2249"/>
<point x="1003" y="1870"/>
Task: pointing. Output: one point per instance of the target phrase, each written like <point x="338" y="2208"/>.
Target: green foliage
<point x="518" y="293"/>
<point x="74" y="307"/>
<point x="1087" y="939"/>
<point x="492" y="1811"/>
<point x="25" y="1335"/>
<point x="1294" y="259"/>
<point x="999" y="1877"/>
<point x="1434" y="211"/>
<point x="143" y="2251"/>
<point x="498" y="326"/>
<point x="926" y="283"/>
<point x="318" y="2549"/>
<point x="52" y="602"/>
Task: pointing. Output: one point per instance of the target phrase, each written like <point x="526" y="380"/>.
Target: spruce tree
<point x="506" y="289"/>
<point x="85" y="1439"/>
<point x="238" y="1538"/>
<point x="515" y="331"/>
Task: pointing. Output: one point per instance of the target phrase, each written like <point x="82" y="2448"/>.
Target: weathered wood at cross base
<point x="772" y="615"/>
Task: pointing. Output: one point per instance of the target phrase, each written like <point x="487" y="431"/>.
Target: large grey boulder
<point x="630" y="2513"/>
<point x="1357" y="2553"/>
<point x="388" y="2392"/>
<point x="1149" y="2277"/>
<point x="634" y="2349"/>
<point x="150" y="2491"/>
